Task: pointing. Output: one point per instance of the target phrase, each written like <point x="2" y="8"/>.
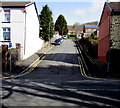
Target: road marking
<point x="30" y="69"/>
<point x="82" y="70"/>
<point x="37" y="60"/>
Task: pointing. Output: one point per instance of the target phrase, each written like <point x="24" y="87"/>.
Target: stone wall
<point x="114" y="54"/>
<point x="115" y="32"/>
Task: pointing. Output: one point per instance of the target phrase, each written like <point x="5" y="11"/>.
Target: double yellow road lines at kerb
<point x="83" y="73"/>
<point x="27" y="70"/>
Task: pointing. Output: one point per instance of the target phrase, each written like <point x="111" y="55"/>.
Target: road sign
<point x="10" y="44"/>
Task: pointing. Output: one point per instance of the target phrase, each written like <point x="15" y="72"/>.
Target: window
<point x="7" y="15"/>
<point x="89" y="29"/>
<point x="6" y="34"/>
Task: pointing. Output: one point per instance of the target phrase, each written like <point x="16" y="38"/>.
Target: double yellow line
<point x="27" y="71"/>
<point x="30" y="68"/>
<point x="38" y="61"/>
<point x="82" y="70"/>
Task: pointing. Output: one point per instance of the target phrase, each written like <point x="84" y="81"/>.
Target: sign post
<point x="10" y="46"/>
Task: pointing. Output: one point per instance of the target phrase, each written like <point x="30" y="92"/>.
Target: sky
<point x="74" y="11"/>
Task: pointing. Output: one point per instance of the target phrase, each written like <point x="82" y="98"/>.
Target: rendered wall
<point x="24" y="30"/>
<point x="33" y="43"/>
<point x="16" y="25"/>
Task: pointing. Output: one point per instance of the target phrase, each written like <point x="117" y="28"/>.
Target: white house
<point x="19" y="24"/>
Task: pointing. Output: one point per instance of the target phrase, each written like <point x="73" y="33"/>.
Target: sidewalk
<point x="103" y="66"/>
<point x="24" y="64"/>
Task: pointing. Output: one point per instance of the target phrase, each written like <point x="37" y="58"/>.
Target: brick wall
<point x="104" y="37"/>
<point x="115" y="32"/>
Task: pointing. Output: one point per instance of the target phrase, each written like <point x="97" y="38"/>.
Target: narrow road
<point x="57" y="81"/>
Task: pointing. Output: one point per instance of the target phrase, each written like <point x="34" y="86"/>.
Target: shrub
<point x="90" y="45"/>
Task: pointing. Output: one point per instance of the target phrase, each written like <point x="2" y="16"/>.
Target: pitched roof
<point x="115" y="6"/>
<point x="14" y="3"/>
<point x="91" y="26"/>
<point x="17" y="4"/>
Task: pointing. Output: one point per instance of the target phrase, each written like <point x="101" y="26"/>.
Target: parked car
<point x="58" y="41"/>
<point x="65" y="37"/>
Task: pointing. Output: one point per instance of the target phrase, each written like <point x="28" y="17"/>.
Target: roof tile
<point x="14" y="3"/>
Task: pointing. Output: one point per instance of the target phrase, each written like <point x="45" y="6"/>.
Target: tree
<point x="75" y="25"/>
<point x="61" y="25"/>
<point x="46" y="24"/>
<point x="92" y="23"/>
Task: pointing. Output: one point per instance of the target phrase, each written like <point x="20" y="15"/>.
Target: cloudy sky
<point x="74" y="11"/>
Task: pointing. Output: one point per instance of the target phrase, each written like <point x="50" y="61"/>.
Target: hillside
<point x="78" y="28"/>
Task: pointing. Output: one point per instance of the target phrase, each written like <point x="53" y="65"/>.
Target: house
<point x="89" y="29"/>
<point x="19" y="26"/>
<point x="56" y="35"/>
<point x="71" y="30"/>
<point x="109" y="30"/>
<point x="75" y="29"/>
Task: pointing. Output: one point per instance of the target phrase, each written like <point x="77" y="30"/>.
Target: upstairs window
<point x="6" y="34"/>
<point x="7" y="15"/>
<point x="89" y="29"/>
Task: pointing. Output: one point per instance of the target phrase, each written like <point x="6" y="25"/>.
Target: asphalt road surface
<point x="58" y="81"/>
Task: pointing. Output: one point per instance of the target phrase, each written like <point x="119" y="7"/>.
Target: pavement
<point x="105" y="73"/>
<point x="24" y="65"/>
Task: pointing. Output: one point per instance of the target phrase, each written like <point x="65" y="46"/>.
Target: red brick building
<point x="109" y="27"/>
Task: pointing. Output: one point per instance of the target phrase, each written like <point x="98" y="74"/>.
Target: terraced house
<point x="109" y="35"/>
<point x="19" y="25"/>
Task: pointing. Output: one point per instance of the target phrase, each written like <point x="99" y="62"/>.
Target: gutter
<point x="35" y="8"/>
<point x="106" y="4"/>
<point x="109" y="7"/>
<point x="25" y="35"/>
